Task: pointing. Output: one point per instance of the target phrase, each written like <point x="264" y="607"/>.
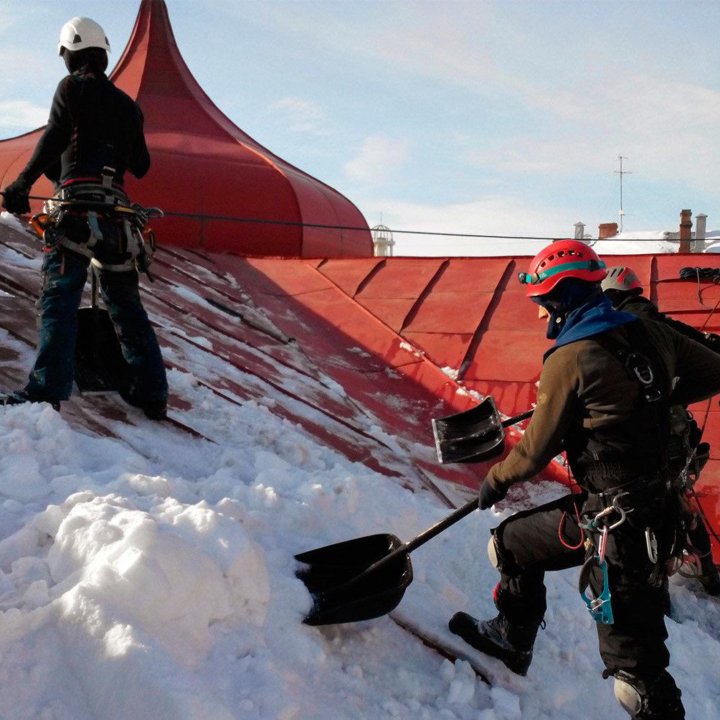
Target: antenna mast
<point x="622" y="172"/>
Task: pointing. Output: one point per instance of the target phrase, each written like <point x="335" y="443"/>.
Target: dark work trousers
<point x="529" y="544"/>
<point x="64" y="277"/>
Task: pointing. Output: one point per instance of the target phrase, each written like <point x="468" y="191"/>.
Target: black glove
<point x="15" y="198"/>
<point x="489" y="495"/>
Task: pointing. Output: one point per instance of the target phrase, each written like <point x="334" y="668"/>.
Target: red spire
<point x="152" y="71"/>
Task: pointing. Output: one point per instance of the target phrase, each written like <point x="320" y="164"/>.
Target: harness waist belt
<point x="613" y="472"/>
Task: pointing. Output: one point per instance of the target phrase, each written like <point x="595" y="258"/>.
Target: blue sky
<point x="457" y="116"/>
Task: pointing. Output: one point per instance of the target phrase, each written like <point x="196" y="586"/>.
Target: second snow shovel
<point x="99" y="362"/>
<point x="474" y="435"/>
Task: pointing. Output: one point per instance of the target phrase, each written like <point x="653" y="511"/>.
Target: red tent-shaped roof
<point x="205" y="168"/>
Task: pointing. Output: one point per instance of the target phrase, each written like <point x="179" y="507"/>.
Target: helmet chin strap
<point x="556" y="320"/>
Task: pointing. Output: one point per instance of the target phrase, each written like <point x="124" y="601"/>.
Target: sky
<point x="145" y="573"/>
<point x="467" y="117"/>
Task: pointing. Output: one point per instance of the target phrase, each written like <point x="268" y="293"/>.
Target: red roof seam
<point x="415" y="308"/>
<point x="484" y="323"/>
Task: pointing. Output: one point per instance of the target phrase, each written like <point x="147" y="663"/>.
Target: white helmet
<point x="621" y="278"/>
<point x="80" y="33"/>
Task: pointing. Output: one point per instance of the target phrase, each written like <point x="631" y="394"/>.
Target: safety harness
<point x="97" y="204"/>
<point x="616" y="487"/>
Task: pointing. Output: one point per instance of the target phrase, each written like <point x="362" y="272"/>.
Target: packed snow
<point x="152" y="575"/>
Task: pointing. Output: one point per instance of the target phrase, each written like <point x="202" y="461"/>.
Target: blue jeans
<point x="64" y="277"/>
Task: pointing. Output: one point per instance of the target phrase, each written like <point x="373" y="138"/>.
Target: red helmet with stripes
<point x="560" y="260"/>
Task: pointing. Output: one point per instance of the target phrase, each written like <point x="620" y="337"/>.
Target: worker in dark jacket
<point x="93" y="136"/>
<point x="687" y="454"/>
<point x="625" y="291"/>
<point x="603" y="398"/>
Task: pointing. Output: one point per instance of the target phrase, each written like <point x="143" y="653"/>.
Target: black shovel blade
<point x="471" y="436"/>
<point x="99" y="362"/>
<point x="341" y="594"/>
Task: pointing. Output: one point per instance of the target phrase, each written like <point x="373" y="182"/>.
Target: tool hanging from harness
<point x="687" y="455"/>
<point x="624" y="469"/>
<point x="117" y="235"/>
<point x="594" y="572"/>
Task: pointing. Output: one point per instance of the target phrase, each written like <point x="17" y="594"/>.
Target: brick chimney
<point x="607" y="230"/>
<point x="700" y="230"/>
<point x="685" y="230"/>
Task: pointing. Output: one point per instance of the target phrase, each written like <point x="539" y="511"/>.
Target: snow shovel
<point x="99" y="362"/>
<point x="474" y="435"/>
<point x="364" y="578"/>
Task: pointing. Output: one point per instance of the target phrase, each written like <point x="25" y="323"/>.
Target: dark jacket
<point x="585" y="392"/>
<point x="642" y="307"/>
<point x="92" y="124"/>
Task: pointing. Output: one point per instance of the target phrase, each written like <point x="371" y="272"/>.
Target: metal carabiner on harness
<point x="614" y="507"/>
<point x="641" y="368"/>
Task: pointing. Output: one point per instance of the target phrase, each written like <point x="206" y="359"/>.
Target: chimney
<point x="607" y="230"/>
<point x="579" y="231"/>
<point x="685" y="230"/>
<point x="700" y="229"/>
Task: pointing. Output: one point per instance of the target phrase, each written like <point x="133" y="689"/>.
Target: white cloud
<point x="303" y="116"/>
<point x="492" y="216"/>
<point x="22" y="115"/>
<point x="377" y="159"/>
<point x="665" y="128"/>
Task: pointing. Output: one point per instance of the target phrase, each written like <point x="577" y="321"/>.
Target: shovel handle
<point x="408" y="547"/>
<point x="517" y="418"/>
<point x="436" y="529"/>
<point x="451" y="519"/>
<point x="429" y="534"/>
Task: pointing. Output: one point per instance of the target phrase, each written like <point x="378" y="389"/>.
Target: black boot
<point x="20" y="397"/>
<point x="499" y="638"/>
<point x="153" y="409"/>
<point x="710" y="577"/>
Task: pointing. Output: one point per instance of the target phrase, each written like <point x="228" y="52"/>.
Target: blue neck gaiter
<point x="592" y="317"/>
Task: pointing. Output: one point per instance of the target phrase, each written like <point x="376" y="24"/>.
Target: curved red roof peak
<point x="219" y="188"/>
<point x="152" y="70"/>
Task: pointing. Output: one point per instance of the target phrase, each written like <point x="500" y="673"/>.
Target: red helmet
<point x="621" y="278"/>
<point x="559" y="260"/>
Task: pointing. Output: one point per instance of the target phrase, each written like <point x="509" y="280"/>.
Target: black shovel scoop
<point x="365" y="578"/>
<point x="99" y="362"/>
<point x="474" y="435"/>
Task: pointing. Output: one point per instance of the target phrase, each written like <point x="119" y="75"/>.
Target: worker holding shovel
<point x="604" y="399"/>
<point x="93" y="136"/>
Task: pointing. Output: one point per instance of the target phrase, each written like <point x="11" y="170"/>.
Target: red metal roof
<point x="205" y="168"/>
<point x="365" y="352"/>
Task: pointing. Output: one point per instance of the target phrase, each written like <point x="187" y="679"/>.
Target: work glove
<point x="15" y="198"/>
<point x="489" y="495"/>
